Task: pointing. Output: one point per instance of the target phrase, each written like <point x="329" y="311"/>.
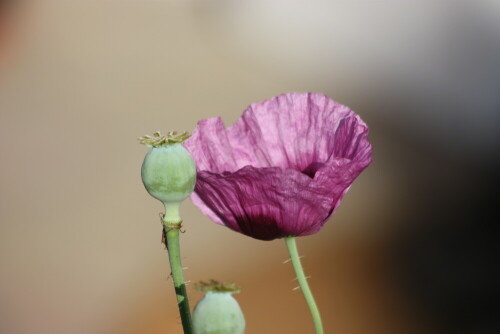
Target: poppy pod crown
<point x="283" y="167"/>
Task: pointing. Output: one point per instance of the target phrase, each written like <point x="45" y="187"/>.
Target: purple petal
<point x="210" y="146"/>
<point x="305" y="150"/>
<point x="290" y="131"/>
<point x="264" y="203"/>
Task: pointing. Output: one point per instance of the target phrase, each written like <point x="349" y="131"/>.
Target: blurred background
<point x="411" y="249"/>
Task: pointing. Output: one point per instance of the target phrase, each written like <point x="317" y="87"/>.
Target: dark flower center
<point x="312" y="169"/>
<point x="260" y="226"/>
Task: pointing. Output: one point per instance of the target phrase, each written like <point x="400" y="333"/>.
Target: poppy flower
<point x="282" y="169"/>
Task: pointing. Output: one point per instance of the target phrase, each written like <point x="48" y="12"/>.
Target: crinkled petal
<point x="210" y="147"/>
<point x="352" y="154"/>
<point x="289" y="131"/>
<point x="264" y="203"/>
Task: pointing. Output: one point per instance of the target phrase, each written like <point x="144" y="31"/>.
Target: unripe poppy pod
<point x="218" y="312"/>
<point x="168" y="172"/>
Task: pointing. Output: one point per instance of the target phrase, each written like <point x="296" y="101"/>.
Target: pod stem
<point x="304" y="286"/>
<point x="171" y="235"/>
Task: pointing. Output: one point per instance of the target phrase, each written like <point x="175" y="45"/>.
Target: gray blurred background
<point x="409" y="251"/>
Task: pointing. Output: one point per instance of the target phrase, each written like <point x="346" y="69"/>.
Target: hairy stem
<point x="173" y="248"/>
<point x="304" y="286"/>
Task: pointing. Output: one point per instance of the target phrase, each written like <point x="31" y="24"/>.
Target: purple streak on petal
<point x="203" y="207"/>
<point x="351" y="139"/>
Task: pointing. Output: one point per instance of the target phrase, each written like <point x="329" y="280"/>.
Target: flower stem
<point x="304" y="286"/>
<point x="173" y="248"/>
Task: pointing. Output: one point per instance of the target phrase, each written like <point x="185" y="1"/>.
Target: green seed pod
<point x="218" y="312"/>
<point x="168" y="172"/>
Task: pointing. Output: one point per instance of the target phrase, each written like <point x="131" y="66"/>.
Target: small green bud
<point x="218" y="312"/>
<point x="168" y="171"/>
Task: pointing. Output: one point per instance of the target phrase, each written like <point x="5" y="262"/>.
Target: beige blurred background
<point x="80" y="248"/>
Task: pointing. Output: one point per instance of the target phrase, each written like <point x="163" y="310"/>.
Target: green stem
<point x="304" y="286"/>
<point x="173" y="248"/>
